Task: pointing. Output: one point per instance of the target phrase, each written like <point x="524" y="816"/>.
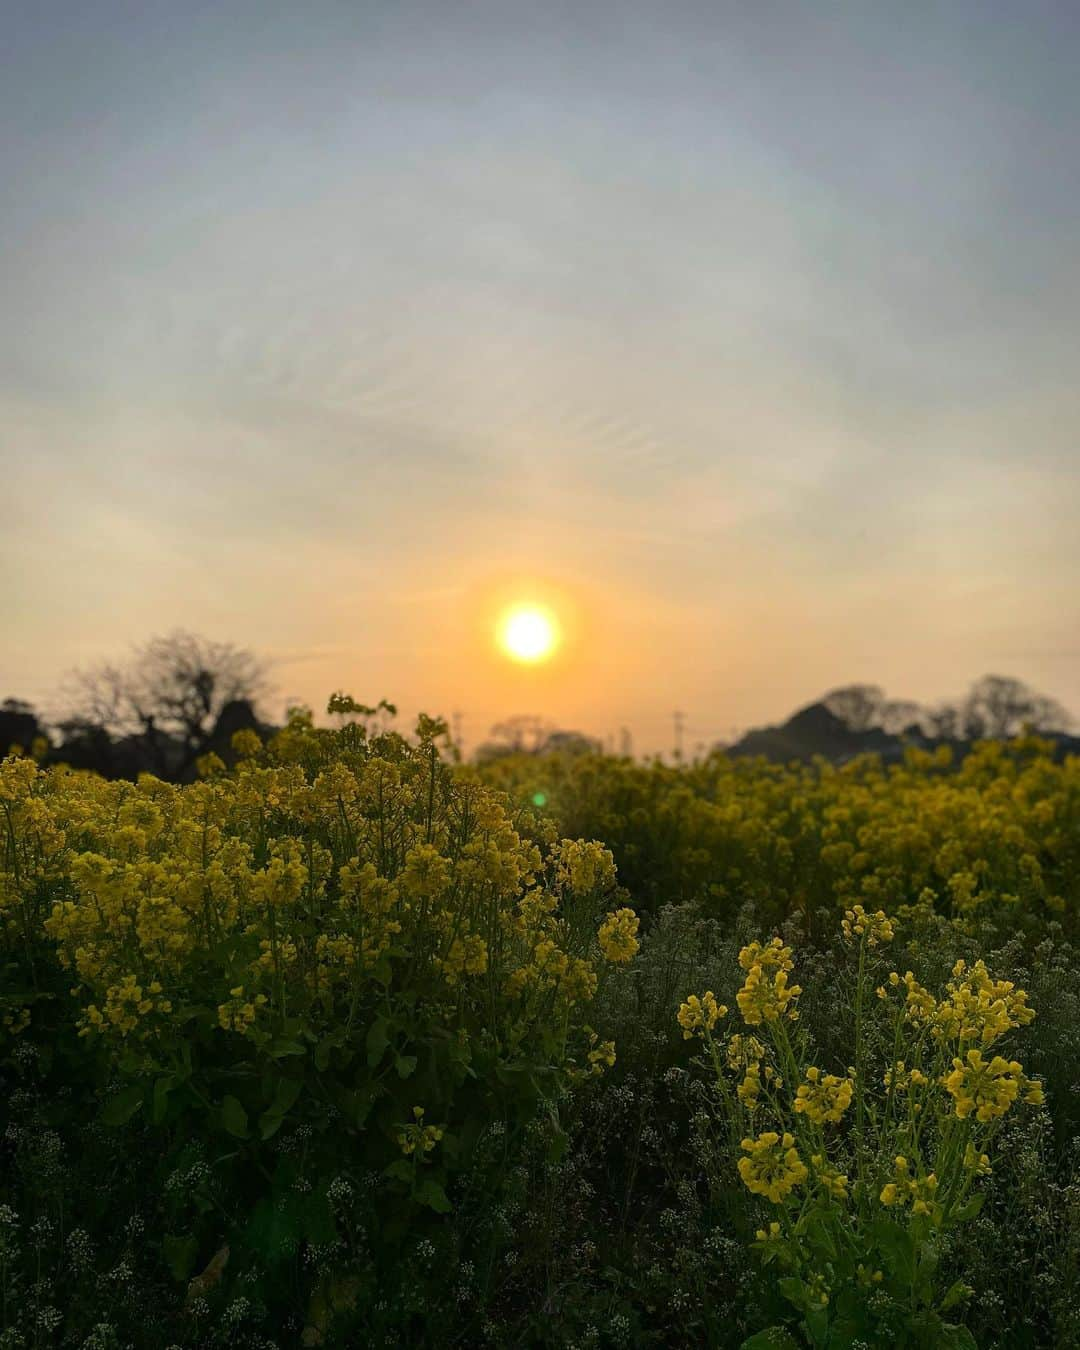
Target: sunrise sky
<point x="742" y="336"/>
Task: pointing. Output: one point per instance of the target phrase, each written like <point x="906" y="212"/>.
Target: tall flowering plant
<point x="340" y="942"/>
<point x="861" y="1170"/>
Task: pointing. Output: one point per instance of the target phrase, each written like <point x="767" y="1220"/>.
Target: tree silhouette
<point x="167" y="698"/>
<point x="998" y="706"/>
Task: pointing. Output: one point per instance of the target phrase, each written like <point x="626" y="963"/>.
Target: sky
<point x="743" y="335"/>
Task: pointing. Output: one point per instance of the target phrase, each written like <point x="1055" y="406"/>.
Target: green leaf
<point x="281" y="1048"/>
<point x="286" y="1093"/>
<point x="897" y="1248"/>
<point x="119" y="1109"/>
<point x="817" y="1324"/>
<point x="772" y="1338"/>
<point x="270" y="1122"/>
<point x="795" y="1291"/>
<point x="317" y="1220"/>
<point x="399" y="1170"/>
<point x="430" y="1193"/>
<point x="405" y="1065"/>
<point x="957" y="1293"/>
<point x="274" y="1230"/>
<point x="181" y="1254"/>
<point x="557" y="1146"/>
<point x="377" y="1041"/>
<point x="956" y="1337"/>
<point x="160" y="1107"/>
<point x="234" y="1118"/>
<point x="971" y="1209"/>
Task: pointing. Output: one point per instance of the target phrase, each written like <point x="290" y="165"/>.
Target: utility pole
<point x="679" y="720"/>
<point x="456" y="720"/>
<point x="626" y="743"/>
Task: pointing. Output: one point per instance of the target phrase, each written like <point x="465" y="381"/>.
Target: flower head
<point x="773" y="1167"/>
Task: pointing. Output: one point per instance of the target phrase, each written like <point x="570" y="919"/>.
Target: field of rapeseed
<point x="348" y="1044"/>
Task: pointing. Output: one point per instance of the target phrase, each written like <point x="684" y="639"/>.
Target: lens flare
<point x="528" y="633"/>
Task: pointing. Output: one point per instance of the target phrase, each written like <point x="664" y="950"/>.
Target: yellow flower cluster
<point x="773" y="1167"/>
<point x="831" y="1178"/>
<point x="125" y="1004"/>
<point x="766" y="994"/>
<point x="940" y="1160"/>
<point x="240" y="1012"/>
<point x="974" y="1008"/>
<point x="987" y="838"/>
<point x="976" y="1162"/>
<point x="766" y="998"/>
<point x="769" y="957"/>
<point x="876" y="928"/>
<point x="601" y="1054"/>
<point x="297" y="892"/>
<point x="902" y="1079"/>
<point x="572" y="979"/>
<point x="464" y="956"/>
<point x="978" y="1008"/>
<point x="986" y="1089"/>
<point x="584" y="867"/>
<point x="823" y="1097"/>
<point x="906" y="1188"/>
<point x="698" y="1016"/>
<point x="418" y="1138"/>
<point x="618" y="936"/>
<point x="746" y="1053"/>
<point x="743" y="1051"/>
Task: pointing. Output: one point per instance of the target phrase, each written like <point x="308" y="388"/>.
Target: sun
<point x="528" y="633"/>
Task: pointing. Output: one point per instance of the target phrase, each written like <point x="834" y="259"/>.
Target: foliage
<point x="164" y="703"/>
<point x="994" y="838"/>
<point x="867" y="1168"/>
<point x="343" y="1047"/>
<point x="338" y="966"/>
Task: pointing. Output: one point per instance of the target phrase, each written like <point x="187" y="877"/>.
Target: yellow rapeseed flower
<point x="699" y="1015"/>
<point x="773" y="1167"/>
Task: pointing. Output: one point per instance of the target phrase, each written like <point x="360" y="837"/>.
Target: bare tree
<point x="944" y="720"/>
<point x="998" y="706"/>
<point x="898" y="715"/>
<point x="524" y="732"/>
<point x="169" y="696"/>
<point x="858" y="706"/>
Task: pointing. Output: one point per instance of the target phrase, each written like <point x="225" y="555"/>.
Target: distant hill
<point x="816" y="730"/>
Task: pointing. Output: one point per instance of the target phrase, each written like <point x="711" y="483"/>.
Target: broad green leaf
<point x="181" y="1254"/>
<point x="405" y="1065"/>
<point x="955" y="1337"/>
<point x="234" y="1118"/>
<point x="286" y="1093"/>
<point x="557" y="1145"/>
<point x="430" y="1193"/>
<point x="971" y="1209"/>
<point x="282" y="1048"/>
<point x="316" y="1219"/>
<point x="270" y="1122"/>
<point x="160" y="1107"/>
<point x="897" y="1247"/>
<point x="377" y="1041"/>
<point x="119" y="1109"/>
<point x="772" y="1338"/>
<point x="957" y="1293"/>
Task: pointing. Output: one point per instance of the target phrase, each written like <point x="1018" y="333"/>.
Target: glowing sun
<point x="528" y="633"/>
